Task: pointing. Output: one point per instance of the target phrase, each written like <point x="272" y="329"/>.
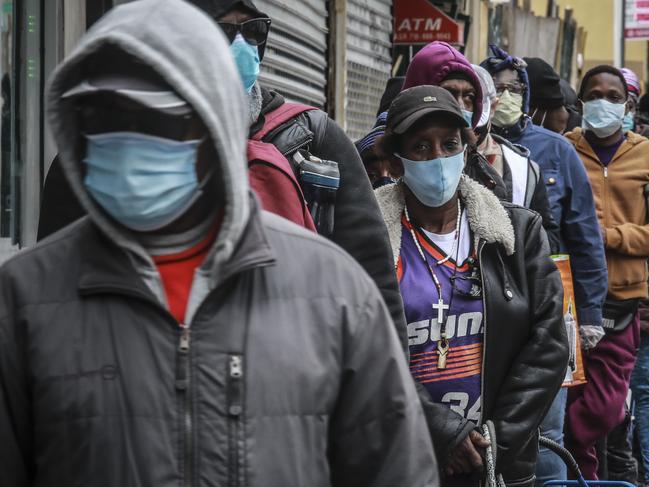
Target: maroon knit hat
<point x="434" y="63"/>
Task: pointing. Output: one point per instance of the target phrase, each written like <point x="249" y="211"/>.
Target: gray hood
<point x="190" y="53"/>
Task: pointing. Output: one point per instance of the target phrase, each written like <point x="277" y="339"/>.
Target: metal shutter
<point x="295" y="63"/>
<point x="369" y="26"/>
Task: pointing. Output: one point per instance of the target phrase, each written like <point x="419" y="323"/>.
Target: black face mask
<point x="383" y="181"/>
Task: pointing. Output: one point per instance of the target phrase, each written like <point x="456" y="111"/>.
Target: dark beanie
<point x="545" y="84"/>
<point x="392" y="89"/>
<point x="218" y="8"/>
<point x="569" y="95"/>
<point x="643" y="104"/>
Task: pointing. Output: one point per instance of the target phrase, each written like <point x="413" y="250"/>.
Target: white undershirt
<point x="445" y="241"/>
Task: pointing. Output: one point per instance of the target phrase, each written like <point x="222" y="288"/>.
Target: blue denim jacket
<point x="573" y="208"/>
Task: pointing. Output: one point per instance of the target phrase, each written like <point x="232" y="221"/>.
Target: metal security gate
<point x="295" y="63"/>
<point x="369" y="26"/>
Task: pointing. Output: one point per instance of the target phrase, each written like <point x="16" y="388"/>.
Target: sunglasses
<point x="101" y="119"/>
<point x="254" y="31"/>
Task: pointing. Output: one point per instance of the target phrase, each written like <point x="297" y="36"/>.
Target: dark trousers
<point x="616" y="461"/>
<point x="597" y="407"/>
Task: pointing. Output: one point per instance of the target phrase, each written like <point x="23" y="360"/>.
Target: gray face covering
<point x="254" y="103"/>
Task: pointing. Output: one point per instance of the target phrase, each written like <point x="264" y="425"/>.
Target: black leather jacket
<point x="525" y="342"/>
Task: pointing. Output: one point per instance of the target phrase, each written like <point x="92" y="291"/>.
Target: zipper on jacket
<point x="605" y="206"/>
<point x="235" y="411"/>
<point x="183" y="375"/>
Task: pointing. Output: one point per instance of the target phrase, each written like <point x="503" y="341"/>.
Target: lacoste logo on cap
<point x="430" y="98"/>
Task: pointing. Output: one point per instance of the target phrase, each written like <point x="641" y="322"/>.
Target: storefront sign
<point x="420" y="22"/>
<point x="636" y="20"/>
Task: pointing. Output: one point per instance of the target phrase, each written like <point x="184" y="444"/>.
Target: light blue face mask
<point x="143" y="182"/>
<point x="468" y="116"/>
<point x="602" y="117"/>
<point x="628" y="122"/>
<point x="246" y="57"/>
<point x="433" y="182"/>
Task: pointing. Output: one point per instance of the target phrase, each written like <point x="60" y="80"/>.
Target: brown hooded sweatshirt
<point x="618" y="190"/>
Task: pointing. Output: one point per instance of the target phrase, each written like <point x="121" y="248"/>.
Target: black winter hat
<point x="569" y="95"/>
<point x="392" y="89"/>
<point x="643" y="104"/>
<point x="545" y="87"/>
<point x="218" y="8"/>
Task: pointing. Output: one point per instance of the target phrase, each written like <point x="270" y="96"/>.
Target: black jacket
<point x="479" y="169"/>
<point x="292" y="375"/>
<point x="525" y="343"/>
<point x="538" y="199"/>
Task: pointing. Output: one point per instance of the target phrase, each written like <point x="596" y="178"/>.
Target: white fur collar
<point x="487" y="218"/>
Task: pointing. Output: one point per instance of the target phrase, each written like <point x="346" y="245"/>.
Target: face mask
<point x="383" y="181"/>
<point x="247" y="60"/>
<point x="143" y="182"/>
<point x="468" y="116"/>
<point x="602" y="117"/>
<point x="509" y="110"/>
<point x="433" y="182"/>
<point x="486" y="112"/>
<point x="545" y="113"/>
<point x="628" y="122"/>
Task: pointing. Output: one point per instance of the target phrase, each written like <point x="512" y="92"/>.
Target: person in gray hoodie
<point x="358" y="226"/>
<point x="177" y="334"/>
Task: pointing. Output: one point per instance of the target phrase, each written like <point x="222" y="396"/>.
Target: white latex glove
<point x="590" y="336"/>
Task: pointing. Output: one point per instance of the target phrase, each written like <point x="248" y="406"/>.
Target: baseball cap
<point x="414" y="103"/>
<point x="125" y="76"/>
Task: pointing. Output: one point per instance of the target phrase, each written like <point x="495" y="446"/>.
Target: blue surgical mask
<point x="246" y="57"/>
<point x="628" y="122"/>
<point x="468" y="116"/>
<point x="602" y="117"/>
<point x="433" y="182"/>
<point x="143" y="182"/>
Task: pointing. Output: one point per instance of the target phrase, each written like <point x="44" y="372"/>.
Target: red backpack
<point x="271" y="174"/>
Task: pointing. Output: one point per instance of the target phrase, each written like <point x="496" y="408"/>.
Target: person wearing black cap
<point x="469" y="267"/>
<point x="547" y="106"/>
<point x="178" y="334"/>
<point x="357" y="225"/>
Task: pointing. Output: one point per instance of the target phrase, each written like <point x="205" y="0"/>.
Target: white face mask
<point x="602" y="117"/>
<point x="545" y="114"/>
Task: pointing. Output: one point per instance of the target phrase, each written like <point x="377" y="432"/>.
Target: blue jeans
<point x="549" y="466"/>
<point x="640" y="388"/>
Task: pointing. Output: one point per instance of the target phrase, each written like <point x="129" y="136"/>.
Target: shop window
<point x="9" y="177"/>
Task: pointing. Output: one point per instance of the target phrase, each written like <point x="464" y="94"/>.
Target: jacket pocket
<point x="624" y="271"/>
<point x="236" y="446"/>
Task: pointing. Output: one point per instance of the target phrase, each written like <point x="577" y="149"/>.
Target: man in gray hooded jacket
<point x="158" y="342"/>
<point x="358" y="226"/>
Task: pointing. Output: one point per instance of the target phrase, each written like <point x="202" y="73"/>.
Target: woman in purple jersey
<point x="483" y="301"/>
